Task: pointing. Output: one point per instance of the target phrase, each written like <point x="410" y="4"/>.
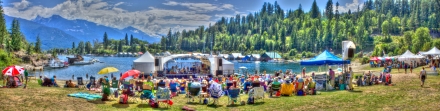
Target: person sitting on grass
<point x="71" y="84"/>
<point x="54" y="81"/>
<point x="47" y="82"/>
<point x="40" y="81"/>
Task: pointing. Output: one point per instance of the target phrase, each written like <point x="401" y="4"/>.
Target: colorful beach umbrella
<point x="13" y="70"/>
<point x="108" y="70"/>
<point x="129" y="73"/>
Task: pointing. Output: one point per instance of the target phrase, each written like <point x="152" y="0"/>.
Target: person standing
<point x="332" y="77"/>
<point x="73" y="76"/>
<point x="304" y="72"/>
<point x="26" y="74"/>
<point x="349" y="78"/>
<point x="422" y="76"/>
<point x="406" y="68"/>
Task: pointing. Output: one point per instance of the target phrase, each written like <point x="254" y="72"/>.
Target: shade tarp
<point x="325" y="58"/>
<point x="375" y="59"/>
<point x="433" y="51"/>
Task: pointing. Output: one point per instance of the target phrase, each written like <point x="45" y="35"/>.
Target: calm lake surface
<point x="125" y="64"/>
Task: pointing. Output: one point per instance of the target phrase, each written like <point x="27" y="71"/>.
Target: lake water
<point x="125" y="64"/>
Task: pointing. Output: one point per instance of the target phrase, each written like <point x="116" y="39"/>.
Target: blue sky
<point x="153" y="16"/>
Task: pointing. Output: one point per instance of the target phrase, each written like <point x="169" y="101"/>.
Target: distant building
<point x="237" y="56"/>
<point x="270" y="56"/>
<point x="255" y="57"/>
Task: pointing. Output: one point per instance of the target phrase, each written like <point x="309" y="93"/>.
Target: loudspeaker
<point x="220" y="62"/>
<point x="156" y="62"/>
<point x="350" y="52"/>
<point x="219" y="72"/>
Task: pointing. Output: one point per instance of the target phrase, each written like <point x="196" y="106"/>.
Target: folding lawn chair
<point x="194" y="90"/>
<point x="163" y="95"/>
<point x="233" y="96"/>
<point x="147" y="93"/>
<point x="274" y="89"/>
<point x="131" y="93"/>
<point x="92" y="83"/>
<point x="80" y="83"/>
<point x="215" y="92"/>
<point x="114" y="89"/>
<point x="258" y="93"/>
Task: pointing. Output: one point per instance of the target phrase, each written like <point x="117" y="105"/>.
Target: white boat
<point x="94" y="60"/>
<point x="82" y="63"/>
<point x="55" y="64"/>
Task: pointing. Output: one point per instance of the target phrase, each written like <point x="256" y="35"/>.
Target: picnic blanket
<point x="85" y="96"/>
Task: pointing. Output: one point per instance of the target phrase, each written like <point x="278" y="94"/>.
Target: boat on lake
<point x="82" y="63"/>
<point x="56" y="64"/>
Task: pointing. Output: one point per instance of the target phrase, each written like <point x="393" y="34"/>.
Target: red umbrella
<point x="13" y="70"/>
<point x="130" y="73"/>
<point x="140" y="53"/>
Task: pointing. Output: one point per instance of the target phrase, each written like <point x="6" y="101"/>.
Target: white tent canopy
<point x="408" y="55"/>
<point x="145" y="63"/>
<point x="433" y="51"/>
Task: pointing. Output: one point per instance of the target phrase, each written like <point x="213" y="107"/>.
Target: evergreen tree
<point x="37" y="47"/>
<point x="314" y="11"/>
<point x="16" y="36"/>
<point x="81" y="48"/>
<point x="126" y="40"/>
<point x="88" y="47"/>
<point x="329" y="10"/>
<point x="337" y="11"/>
<point x="131" y="40"/>
<point x="106" y="40"/>
<point x="73" y="45"/>
<point x="3" y="31"/>
<point x="28" y="50"/>
<point x="120" y="46"/>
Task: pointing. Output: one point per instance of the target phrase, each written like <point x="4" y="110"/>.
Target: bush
<point x="364" y="60"/>
<point x="7" y="60"/>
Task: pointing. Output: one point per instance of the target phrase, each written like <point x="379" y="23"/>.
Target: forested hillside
<point x="380" y="26"/>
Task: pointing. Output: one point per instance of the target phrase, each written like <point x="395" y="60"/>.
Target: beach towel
<point x="86" y="96"/>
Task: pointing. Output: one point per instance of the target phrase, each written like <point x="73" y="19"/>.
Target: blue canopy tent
<point x="325" y="58"/>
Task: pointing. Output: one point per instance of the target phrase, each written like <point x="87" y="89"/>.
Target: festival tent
<point x="408" y="55"/>
<point x="145" y="63"/>
<point x="375" y="59"/>
<point x="325" y="58"/>
<point x="433" y="51"/>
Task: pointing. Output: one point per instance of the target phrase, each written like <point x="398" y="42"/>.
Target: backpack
<point x="251" y="100"/>
<point x="205" y="101"/>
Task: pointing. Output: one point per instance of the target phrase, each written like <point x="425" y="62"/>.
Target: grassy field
<point x="406" y="94"/>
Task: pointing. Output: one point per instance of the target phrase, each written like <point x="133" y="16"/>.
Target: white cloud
<point x="120" y="3"/>
<point x="201" y="7"/>
<point x="21" y="5"/>
<point x="153" y="21"/>
<point x="171" y="3"/>
<point x="350" y="6"/>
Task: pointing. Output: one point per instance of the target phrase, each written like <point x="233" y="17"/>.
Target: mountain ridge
<point x="87" y="31"/>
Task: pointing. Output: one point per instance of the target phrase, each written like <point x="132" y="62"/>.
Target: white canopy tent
<point x="433" y="51"/>
<point x="408" y="55"/>
<point x="227" y="66"/>
<point x="145" y="63"/>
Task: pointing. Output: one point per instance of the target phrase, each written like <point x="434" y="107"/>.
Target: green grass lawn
<point x="406" y="94"/>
